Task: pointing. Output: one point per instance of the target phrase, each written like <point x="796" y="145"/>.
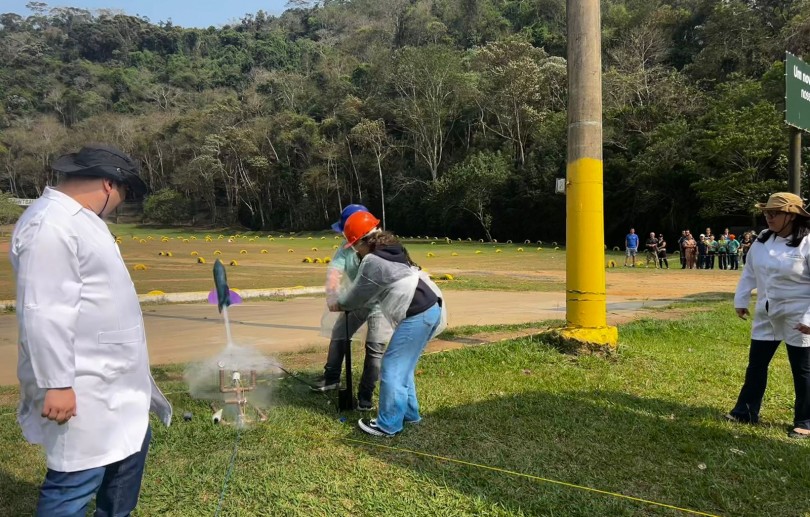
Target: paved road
<point x="187" y="332"/>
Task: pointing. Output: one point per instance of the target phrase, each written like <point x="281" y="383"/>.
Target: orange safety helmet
<point x="357" y="226"/>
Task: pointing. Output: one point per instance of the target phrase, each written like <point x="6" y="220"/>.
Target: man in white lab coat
<point x="85" y="385"/>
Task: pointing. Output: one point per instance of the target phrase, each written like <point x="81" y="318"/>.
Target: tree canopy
<point x="449" y="115"/>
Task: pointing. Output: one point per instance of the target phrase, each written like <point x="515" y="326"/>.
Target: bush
<point x="167" y="206"/>
<point x="9" y="212"/>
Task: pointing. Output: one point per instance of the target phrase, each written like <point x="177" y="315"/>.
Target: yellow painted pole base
<point x="580" y="340"/>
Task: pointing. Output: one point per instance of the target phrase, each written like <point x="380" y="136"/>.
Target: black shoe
<point x="365" y="406"/>
<point x="370" y="427"/>
<point x="323" y="385"/>
<point x="737" y="420"/>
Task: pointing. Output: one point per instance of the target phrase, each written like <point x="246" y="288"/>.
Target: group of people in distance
<point x="85" y="384"/>
<point x="655" y="247"/>
<point x="726" y="251"/>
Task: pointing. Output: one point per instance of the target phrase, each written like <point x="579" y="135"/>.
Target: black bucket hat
<point x="103" y="162"/>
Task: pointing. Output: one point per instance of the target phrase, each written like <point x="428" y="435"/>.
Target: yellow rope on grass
<point x="529" y="476"/>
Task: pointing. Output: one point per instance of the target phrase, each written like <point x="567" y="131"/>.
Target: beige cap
<point x="784" y="202"/>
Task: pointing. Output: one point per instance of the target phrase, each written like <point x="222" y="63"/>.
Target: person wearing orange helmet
<point x="342" y="271"/>
<point x="411" y="303"/>
<point x="733" y="248"/>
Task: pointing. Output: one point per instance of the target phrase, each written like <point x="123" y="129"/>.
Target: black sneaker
<point x="322" y="386"/>
<point x="365" y="406"/>
<point x="370" y="427"/>
<point x="738" y="419"/>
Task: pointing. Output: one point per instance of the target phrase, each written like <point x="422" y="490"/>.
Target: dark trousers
<point x="683" y="258"/>
<point x="371" y="367"/>
<point x="723" y="259"/>
<point x="702" y="261"/>
<point x="733" y="261"/>
<point x="710" y="261"/>
<point x="337" y="352"/>
<point x="760" y="354"/>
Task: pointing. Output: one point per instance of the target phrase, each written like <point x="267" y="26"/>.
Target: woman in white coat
<point x="778" y="267"/>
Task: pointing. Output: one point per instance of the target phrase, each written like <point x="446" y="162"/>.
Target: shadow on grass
<point x="518" y="407"/>
<point x="17" y="497"/>
<point x="648" y="448"/>
<point x="294" y="389"/>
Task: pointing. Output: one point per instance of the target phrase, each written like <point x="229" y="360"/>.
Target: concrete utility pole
<point x="795" y="162"/>
<point x="586" y="304"/>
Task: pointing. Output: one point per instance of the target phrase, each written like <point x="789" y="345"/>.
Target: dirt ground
<point x="188" y="332"/>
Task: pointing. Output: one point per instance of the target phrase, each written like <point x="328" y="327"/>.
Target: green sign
<point x="797" y="92"/>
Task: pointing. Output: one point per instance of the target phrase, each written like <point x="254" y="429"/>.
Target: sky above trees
<point x="185" y="13"/>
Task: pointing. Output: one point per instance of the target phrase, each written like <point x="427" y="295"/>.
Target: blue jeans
<point x="67" y="494"/>
<point x="398" y="402"/>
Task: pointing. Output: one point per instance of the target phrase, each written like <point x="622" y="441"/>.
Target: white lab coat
<point x="80" y="326"/>
<point x="781" y="276"/>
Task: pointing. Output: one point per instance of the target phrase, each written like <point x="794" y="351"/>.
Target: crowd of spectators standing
<point x="725" y="251"/>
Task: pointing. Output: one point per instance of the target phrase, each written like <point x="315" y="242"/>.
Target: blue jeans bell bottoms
<point x="398" y="402"/>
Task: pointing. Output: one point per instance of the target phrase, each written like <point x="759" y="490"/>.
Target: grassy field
<point x="645" y="423"/>
<point x="274" y="260"/>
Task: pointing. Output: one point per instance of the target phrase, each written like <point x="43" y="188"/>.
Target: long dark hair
<point x="801" y="228"/>
<point x="383" y="239"/>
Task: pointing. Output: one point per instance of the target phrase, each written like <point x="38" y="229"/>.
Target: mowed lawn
<point x="645" y="424"/>
<point x="276" y="260"/>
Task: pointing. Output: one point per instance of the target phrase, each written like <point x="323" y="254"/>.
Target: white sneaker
<point x="323" y="386"/>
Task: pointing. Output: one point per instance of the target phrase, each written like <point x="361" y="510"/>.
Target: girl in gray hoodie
<point x="413" y="305"/>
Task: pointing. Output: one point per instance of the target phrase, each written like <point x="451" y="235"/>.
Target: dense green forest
<point x="448" y="116"/>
